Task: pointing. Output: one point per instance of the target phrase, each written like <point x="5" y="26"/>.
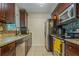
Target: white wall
<point x="36" y="26"/>
<point x="17" y="16"/>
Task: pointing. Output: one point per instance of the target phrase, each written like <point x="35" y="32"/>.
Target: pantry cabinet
<point x="71" y="49"/>
<point x="8" y="50"/>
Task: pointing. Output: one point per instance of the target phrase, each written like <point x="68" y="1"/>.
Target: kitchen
<point x="15" y="40"/>
<point x="55" y="33"/>
<point x="66" y="32"/>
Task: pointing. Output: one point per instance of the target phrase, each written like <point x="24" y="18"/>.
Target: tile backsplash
<point x="72" y="27"/>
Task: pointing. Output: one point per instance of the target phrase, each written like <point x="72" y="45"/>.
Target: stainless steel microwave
<point x="68" y="14"/>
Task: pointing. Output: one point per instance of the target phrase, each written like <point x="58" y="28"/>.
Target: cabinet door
<point x="26" y="20"/>
<point x="5" y="51"/>
<point x="63" y="6"/>
<point x="77" y="10"/>
<point x="26" y="47"/>
<point x="11" y="13"/>
<point x="0" y="10"/>
<point x="72" y="49"/>
<point x="12" y="51"/>
<point x="8" y="50"/>
<point x="22" y="18"/>
<point x="3" y="10"/>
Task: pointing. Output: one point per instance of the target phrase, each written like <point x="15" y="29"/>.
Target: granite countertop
<point x="75" y="41"/>
<point x="8" y="40"/>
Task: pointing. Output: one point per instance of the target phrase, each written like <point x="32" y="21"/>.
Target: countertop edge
<point x="15" y="39"/>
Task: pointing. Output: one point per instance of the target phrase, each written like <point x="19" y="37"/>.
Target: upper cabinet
<point x="10" y="13"/>
<point x="3" y="10"/>
<point x="62" y="7"/>
<point x="23" y="18"/>
<point x="7" y="12"/>
<point x="59" y="9"/>
<point x="77" y="10"/>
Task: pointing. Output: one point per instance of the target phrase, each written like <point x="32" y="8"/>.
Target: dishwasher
<point x="20" y="47"/>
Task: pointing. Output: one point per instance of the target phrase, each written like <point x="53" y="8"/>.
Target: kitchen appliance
<point x="57" y="47"/>
<point x="20" y="47"/>
<point x="48" y="32"/>
<point x="68" y="14"/>
<point x="23" y="30"/>
<point x="46" y="35"/>
<point x="61" y="31"/>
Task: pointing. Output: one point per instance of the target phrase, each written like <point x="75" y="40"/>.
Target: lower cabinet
<point x="8" y="50"/>
<point x="51" y="43"/>
<point x="28" y="44"/>
<point x="71" y="49"/>
<point x="26" y="47"/>
<point x="17" y="48"/>
<point x="23" y="46"/>
<point x="20" y="47"/>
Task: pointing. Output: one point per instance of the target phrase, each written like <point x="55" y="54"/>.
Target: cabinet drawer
<point x="4" y="50"/>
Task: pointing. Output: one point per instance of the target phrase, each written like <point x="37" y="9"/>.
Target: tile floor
<point x="38" y="51"/>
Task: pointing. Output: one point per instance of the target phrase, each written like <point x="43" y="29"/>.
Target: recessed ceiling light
<point x="42" y="4"/>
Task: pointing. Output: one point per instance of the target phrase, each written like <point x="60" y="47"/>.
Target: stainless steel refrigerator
<point x="48" y="32"/>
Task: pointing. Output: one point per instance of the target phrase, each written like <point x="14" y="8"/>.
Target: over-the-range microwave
<point x="68" y="14"/>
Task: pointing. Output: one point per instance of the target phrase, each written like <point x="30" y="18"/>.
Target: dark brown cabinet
<point x="23" y="18"/>
<point x="2" y="11"/>
<point x="23" y="21"/>
<point x="77" y="10"/>
<point x="7" y="12"/>
<point x="10" y="13"/>
<point x="8" y="50"/>
<point x="62" y="7"/>
<point x="71" y="49"/>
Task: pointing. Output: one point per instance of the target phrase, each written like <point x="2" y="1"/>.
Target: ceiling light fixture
<point x="42" y="4"/>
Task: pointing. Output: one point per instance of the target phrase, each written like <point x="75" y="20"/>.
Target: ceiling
<point x="38" y="7"/>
